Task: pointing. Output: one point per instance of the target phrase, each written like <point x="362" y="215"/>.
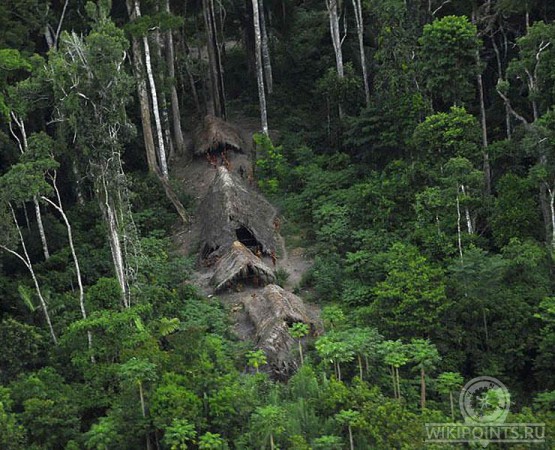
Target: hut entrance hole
<point x="246" y="238"/>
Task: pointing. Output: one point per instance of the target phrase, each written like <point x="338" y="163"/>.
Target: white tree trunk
<point x="144" y="103"/>
<point x="115" y="241"/>
<point x="154" y="97"/>
<point x="336" y="41"/>
<point x="27" y="262"/>
<point x="335" y="36"/>
<point x="23" y="148"/>
<point x="41" y="229"/>
<point x="267" y="63"/>
<point x="469" y="224"/>
<point x="259" y="71"/>
<point x="59" y="207"/>
<point x="357" y="5"/>
<point x="552" y="210"/>
<point x="459" y="233"/>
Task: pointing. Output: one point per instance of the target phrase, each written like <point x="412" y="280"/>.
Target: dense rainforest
<point x="409" y="149"/>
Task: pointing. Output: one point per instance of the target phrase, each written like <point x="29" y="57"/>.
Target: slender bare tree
<point x="259" y="68"/>
<point x="357" y="5"/>
<point x="23" y="148"/>
<point x="267" y="63"/>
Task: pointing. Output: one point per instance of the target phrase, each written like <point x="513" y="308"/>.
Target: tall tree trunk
<point x="267" y="63"/>
<point x="501" y="76"/>
<point x="114" y="238"/>
<point x="486" y="164"/>
<point x="214" y="60"/>
<point x="78" y="183"/>
<point x="551" y="193"/>
<point x="394" y="380"/>
<point x="469" y="224"/>
<point x="459" y="233"/>
<point x="144" y="103"/>
<point x="398" y="382"/>
<point x="154" y="97"/>
<point x="351" y="443"/>
<point x="259" y="71"/>
<point x="487" y="168"/>
<point x="159" y="47"/>
<point x="357" y="5"/>
<point x="335" y="36"/>
<point x="422" y="388"/>
<point x="59" y="207"/>
<point x="336" y="41"/>
<point x="143" y="411"/>
<point x="26" y="260"/>
<point x="41" y="229"/>
<point x="176" y="114"/>
<point x="186" y="51"/>
<point x="24" y="148"/>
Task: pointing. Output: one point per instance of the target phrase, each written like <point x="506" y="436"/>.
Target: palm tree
<point x="448" y="382"/>
<point x="298" y="330"/>
<point x="425" y="355"/>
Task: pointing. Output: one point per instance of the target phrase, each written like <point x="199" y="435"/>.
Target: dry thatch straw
<point x="215" y="133"/>
<point x="240" y="266"/>
<point x="272" y="312"/>
<point x="232" y="212"/>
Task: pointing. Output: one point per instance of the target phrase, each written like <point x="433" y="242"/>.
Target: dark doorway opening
<point x="245" y="236"/>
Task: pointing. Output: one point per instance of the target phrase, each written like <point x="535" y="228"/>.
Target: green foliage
<point x="412" y="296"/>
<point x="179" y="434"/>
<point x="298" y="330"/>
<point x="267" y="422"/>
<point x="535" y="65"/>
<point x="515" y="213"/>
<point x="328" y="442"/>
<point x="340" y="91"/>
<point x="211" y="441"/>
<point x="376" y="200"/>
<point x="256" y="358"/>
<point x="11" y="63"/>
<point x="12" y="434"/>
<point x="449" y="47"/>
<point x="270" y="163"/>
<point x="172" y="399"/>
<point x="26" y="344"/>
<point x="446" y="135"/>
<point x="102" y="434"/>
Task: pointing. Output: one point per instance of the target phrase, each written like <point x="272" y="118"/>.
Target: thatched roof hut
<point x="232" y="212"/>
<point x="272" y="312"/>
<point x="240" y="266"/>
<point x="215" y="134"/>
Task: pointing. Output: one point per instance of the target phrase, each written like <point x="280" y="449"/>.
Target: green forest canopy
<point x="412" y="155"/>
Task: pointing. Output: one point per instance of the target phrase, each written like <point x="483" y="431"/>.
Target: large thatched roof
<point x="214" y="133"/>
<point x="232" y="212"/>
<point x="240" y="266"/>
<point x="272" y="311"/>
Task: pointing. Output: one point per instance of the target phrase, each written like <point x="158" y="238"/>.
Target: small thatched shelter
<point x="272" y="312"/>
<point x="240" y="266"/>
<point x="215" y="134"/>
<point x="232" y="212"/>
